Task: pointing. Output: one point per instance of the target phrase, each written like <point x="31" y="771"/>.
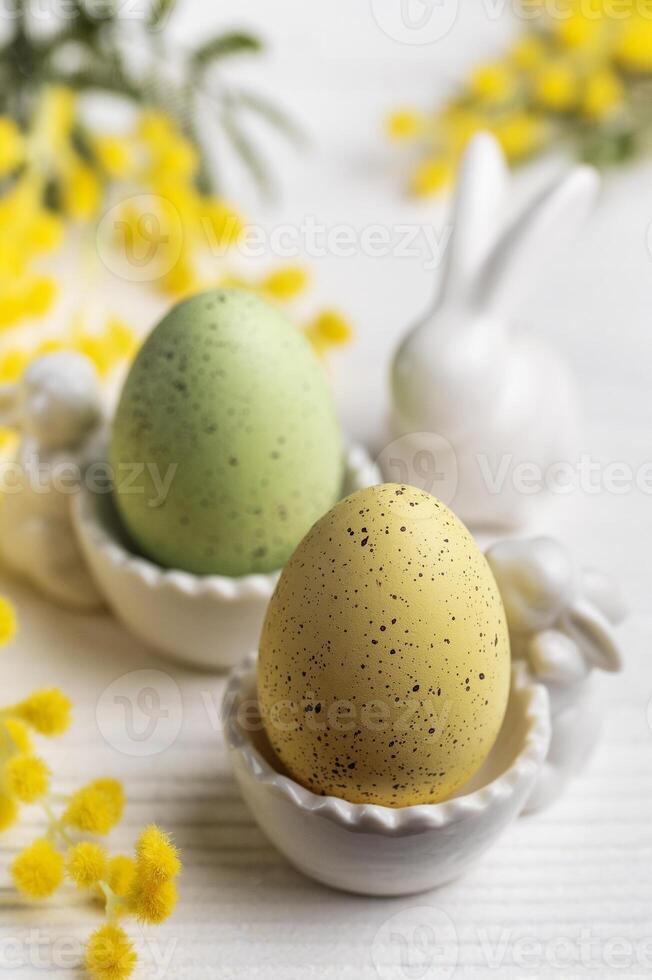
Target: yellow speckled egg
<point x="384" y="663"/>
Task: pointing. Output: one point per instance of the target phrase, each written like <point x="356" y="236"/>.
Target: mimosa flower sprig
<point x="580" y="76"/>
<point x="142" y="886"/>
<point x="60" y="174"/>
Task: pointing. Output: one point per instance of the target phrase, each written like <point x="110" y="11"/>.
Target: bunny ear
<point x="481" y="191"/>
<point x="594" y="635"/>
<point x="535" y="237"/>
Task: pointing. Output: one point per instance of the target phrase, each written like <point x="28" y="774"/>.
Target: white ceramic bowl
<point x="206" y="621"/>
<point x="377" y="850"/>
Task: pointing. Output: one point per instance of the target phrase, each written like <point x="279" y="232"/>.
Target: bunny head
<point x="455" y="365"/>
<point x="552" y="621"/>
<point x="57" y="403"/>
<point x="536" y="580"/>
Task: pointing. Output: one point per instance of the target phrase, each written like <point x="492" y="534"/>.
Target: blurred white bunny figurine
<point x="465" y="372"/>
<point x="560" y="622"/>
<point x="57" y="410"/>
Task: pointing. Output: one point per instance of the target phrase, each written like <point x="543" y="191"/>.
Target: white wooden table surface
<point x="565" y="894"/>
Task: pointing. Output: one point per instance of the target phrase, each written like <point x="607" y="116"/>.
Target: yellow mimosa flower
<point x="405" y="124"/>
<point x="48" y="712"/>
<point x="520" y="134"/>
<point x="38" y="870"/>
<point x="328" y="329"/>
<point x="634" y="48"/>
<point x="604" y="92"/>
<point x="8" y="811"/>
<point x="8" y="621"/>
<point x="110" y="954"/>
<point x="432" y="175"/>
<point x="86" y="864"/>
<point x="27" y="777"/>
<point x="492" y="83"/>
<point x="82" y="191"/>
<point x="12" y="146"/>
<point x="557" y="88"/>
<point x="221" y="223"/>
<point x="579" y="31"/>
<point x="115" y="155"/>
<point x="284" y="284"/>
<point x="528" y="52"/>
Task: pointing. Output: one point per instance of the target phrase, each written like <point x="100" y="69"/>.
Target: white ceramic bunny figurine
<point x="465" y="372"/>
<point x="57" y="410"/>
<point x="560" y="622"/>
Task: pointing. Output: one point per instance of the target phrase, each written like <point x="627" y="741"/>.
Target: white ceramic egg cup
<point x="384" y="851"/>
<point x="207" y="621"/>
<point x="561" y="621"/>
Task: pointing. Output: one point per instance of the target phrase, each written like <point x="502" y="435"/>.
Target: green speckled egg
<point x="225" y="445"/>
<point x="384" y="665"/>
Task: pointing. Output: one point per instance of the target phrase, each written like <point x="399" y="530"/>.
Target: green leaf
<point x="222" y="47"/>
<point x="246" y="151"/>
<point x="161" y="9"/>
<point x="272" y="114"/>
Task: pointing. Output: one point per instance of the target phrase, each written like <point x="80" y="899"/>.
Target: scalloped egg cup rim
<point x="398" y="821"/>
<point x="224" y="587"/>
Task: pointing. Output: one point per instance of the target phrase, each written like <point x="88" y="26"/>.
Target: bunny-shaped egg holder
<point x="57" y="411"/>
<point x="560" y="623"/>
<point x="465" y="380"/>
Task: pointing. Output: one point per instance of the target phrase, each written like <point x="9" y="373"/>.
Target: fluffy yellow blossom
<point x="432" y="175"/>
<point x="38" y="870"/>
<point x="56" y="116"/>
<point x="285" y="284"/>
<point x="328" y="329"/>
<point x="157" y="859"/>
<point x="86" y="864"/>
<point x="8" y="624"/>
<point x="528" y="52"/>
<point x="492" y="83"/>
<point x="603" y="93"/>
<point x="96" y="808"/>
<point x="27" y="777"/>
<point x="17" y="733"/>
<point x="405" y="124"/>
<point x="12" y="146"/>
<point x="82" y="192"/>
<point x="459" y="124"/>
<point x="151" y="902"/>
<point x="105" y="348"/>
<point x="121" y="874"/>
<point x="520" y="134"/>
<point x="579" y="31"/>
<point x="221" y="224"/>
<point x="8" y="811"/>
<point x="110" y="954"/>
<point x="115" y="155"/>
<point x="634" y="48"/>
<point x="557" y="87"/>
<point x="48" y="712"/>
